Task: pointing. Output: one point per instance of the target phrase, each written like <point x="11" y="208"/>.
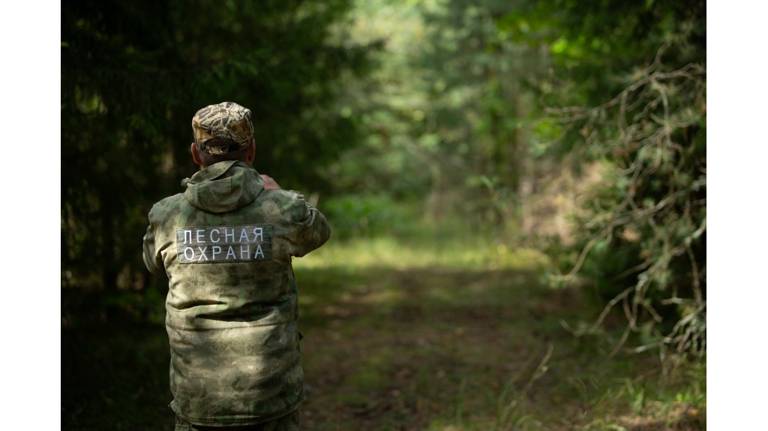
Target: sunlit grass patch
<point x="401" y="254"/>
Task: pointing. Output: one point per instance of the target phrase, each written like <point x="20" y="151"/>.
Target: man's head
<point x="222" y="132"/>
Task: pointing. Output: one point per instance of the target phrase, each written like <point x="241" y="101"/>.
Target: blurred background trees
<point x="133" y="75"/>
<point x="575" y="127"/>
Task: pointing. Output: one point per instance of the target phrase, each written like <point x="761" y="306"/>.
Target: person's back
<point x="226" y="244"/>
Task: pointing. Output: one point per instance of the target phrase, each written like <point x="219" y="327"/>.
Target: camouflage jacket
<point x="226" y="245"/>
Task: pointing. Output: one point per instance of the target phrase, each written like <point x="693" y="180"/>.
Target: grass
<point x="393" y="253"/>
<point x="441" y="337"/>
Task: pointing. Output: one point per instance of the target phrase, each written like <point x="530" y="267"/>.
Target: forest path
<point x="462" y="349"/>
<point x="421" y="348"/>
<point x="407" y="349"/>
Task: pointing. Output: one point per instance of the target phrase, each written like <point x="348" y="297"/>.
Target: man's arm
<point x="310" y="228"/>
<point x="152" y="259"/>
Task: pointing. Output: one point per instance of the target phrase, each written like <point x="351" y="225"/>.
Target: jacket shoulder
<point x="289" y="203"/>
<point x="164" y="207"/>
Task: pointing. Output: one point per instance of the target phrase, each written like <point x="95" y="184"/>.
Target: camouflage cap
<point x="226" y="120"/>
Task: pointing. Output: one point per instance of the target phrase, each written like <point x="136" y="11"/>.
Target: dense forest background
<point x="559" y="141"/>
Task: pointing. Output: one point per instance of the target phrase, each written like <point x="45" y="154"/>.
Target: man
<point x="226" y="244"/>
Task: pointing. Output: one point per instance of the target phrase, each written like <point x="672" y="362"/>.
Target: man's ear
<point x="195" y="155"/>
<point x="250" y="153"/>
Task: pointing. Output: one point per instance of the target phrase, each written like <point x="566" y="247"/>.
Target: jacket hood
<point x="223" y="187"/>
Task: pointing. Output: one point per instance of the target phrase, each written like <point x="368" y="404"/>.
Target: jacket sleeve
<point x="309" y="228"/>
<point x="152" y="259"/>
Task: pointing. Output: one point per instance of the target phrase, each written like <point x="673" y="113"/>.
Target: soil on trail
<point x="410" y="349"/>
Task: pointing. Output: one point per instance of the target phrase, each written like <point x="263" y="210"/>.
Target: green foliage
<point x="423" y="128"/>
<point x="134" y="73"/>
<point x="444" y="107"/>
<point x="641" y="113"/>
<point x="364" y="216"/>
<point x="417" y="120"/>
<point x="481" y="119"/>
